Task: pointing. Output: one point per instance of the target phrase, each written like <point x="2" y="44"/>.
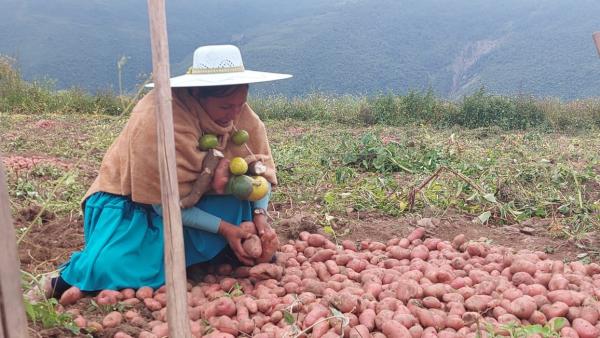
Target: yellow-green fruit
<point x="238" y="166"/>
<point x="240" y="137"/>
<point x="240" y="186"/>
<point x="260" y="187"/>
<point x="208" y="141"/>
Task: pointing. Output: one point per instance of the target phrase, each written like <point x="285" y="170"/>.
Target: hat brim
<point x="223" y="79"/>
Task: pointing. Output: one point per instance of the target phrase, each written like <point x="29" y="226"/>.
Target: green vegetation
<point x="481" y="109"/>
<point x="18" y="96"/>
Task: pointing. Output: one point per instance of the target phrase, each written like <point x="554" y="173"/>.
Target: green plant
<point x="515" y="330"/>
<point x="45" y="313"/>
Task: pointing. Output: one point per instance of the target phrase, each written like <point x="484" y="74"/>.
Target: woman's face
<point x="225" y="109"/>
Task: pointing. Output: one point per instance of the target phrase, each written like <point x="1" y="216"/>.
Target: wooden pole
<point x="596" y="37"/>
<point x="175" y="275"/>
<point x="13" y="323"/>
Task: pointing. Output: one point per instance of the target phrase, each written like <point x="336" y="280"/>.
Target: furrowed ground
<point x="532" y="189"/>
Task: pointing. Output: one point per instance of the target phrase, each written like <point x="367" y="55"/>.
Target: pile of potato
<point x="407" y="287"/>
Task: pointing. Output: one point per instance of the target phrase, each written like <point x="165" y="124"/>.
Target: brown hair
<point x="215" y="91"/>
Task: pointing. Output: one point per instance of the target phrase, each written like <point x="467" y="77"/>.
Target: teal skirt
<point x="124" y="243"/>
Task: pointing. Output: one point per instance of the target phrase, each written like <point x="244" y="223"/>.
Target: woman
<point x="122" y="214"/>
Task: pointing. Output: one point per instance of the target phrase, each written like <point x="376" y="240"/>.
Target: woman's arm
<point x="263" y="203"/>
<point x="196" y="218"/>
<point x="260" y="219"/>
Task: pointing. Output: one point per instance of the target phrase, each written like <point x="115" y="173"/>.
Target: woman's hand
<point x="260" y="221"/>
<point x="234" y="236"/>
<point x="221" y="176"/>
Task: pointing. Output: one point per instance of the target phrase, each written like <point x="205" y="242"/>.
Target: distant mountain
<point x="539" y="47"/>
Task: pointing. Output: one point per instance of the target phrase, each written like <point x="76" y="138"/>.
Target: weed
<point x="45" y="313"/>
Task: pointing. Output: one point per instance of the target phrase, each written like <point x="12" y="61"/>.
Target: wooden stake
<point x="596" y="37"/>
<point x="13" y="323"/>
<point x="175" y="275"/>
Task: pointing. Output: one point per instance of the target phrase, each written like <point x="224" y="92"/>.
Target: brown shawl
<point x="130" y="167"/>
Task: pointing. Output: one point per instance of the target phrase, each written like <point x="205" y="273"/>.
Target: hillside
<point x="539" y="47"/>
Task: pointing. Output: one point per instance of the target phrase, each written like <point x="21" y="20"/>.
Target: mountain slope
<point x="540" y="47"/>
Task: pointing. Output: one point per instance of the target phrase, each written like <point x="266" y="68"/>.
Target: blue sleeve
<point x="196" y="218"/>
<point x="263" y="203"/>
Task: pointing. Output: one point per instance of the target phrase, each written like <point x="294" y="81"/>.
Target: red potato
<point x="418" y="233"/>
<point x="316" y="240"/>
<point x="252" y="246"/>
<point x="225" y="325"/>
<point x="558" y="309"/>
<point x="71" y="296"/>
<point x="146" y="334"/>
<point x="270" y="244"/>
<point x="80" y="321"/>
<point x="121" y="334"/>
<point x="266" y="271"/>
<point x="568" y="332"/>
<point x="478" y="303"/>
<point x="217" y="334"/>
<point x="590" y="314"/>
<point x="420" y="251"/>
<point x="320" y="329"/>
<point x="112" y="319"/>
<point x="571" y="298"/>
<point x="144" y="292"/>
<point x="322" y="255"/>
<point x="585" y="329"/>
<point x="523" y="307"/>
<point x="127" y="293"/>
<point x="161" y="298"/>
<point x="318" y="312"/>
<point x="359" y="331"/>
<point x="393" y="329"/>
<point x="152" y="304"/>
<point x="406" y="319"/>
<point x="223" y="306"/>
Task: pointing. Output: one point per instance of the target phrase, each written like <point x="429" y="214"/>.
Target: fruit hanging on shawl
<point x="240" y="137"/>
<point x="248" y="188"/>
<point x="208" y="141"/>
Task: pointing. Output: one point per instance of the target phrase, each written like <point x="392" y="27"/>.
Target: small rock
<point x="510" y="228"/>
<point x="425" y="223"/>
<point x="528" y="230"/>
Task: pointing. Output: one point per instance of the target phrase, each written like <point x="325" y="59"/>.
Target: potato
<point x="112" y="319"/>
<point x="320" y="329"/>
<point x="252" y="246"/>
<point x="316" y="240"/>
<point x="225" y="325"/>
<point x="418" y="233"/>
<point x="121" y="334"/>
<point x="393" y="329"/>
<point x="127" y="293"/>
<point x="584" y="328"/>
<point x="144" y="292"/>
<point x="266" y="271"/>
<point x="318" y="312"/>
<point x="146" y="334"/>
<point x="322" y="255"/>
<point x="558" y="309"/>
<point x="152" y="304"/>
<point x="359" y="331"/>
<point x="80" y="322"/>
<point x="71" y="296"/>
<point x="523" y="307"/>
<point x="223" y="306"/>
<point x="478" y="303"/>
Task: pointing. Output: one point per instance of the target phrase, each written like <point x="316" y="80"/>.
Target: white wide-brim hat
<point x="220" y="65"/>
